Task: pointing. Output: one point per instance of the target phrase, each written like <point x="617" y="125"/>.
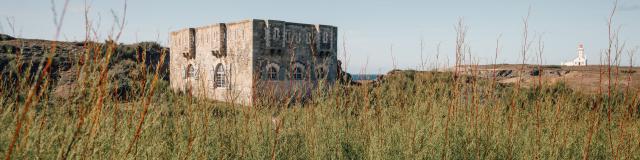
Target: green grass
<point x="120" y="106"/>
<point x="412" y="115"/>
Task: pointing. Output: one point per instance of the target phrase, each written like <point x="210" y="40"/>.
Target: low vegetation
<point x="113" y="101"/>
<point x="407" y="115"/>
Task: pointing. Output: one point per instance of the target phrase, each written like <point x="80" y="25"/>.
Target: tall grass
<point x="405" y="117"/>
<point x="408" y="115"/>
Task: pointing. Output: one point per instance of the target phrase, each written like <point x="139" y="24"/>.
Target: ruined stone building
<point x="242" y="61"/>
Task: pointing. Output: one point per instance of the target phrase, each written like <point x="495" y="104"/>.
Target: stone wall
<point x="180" y="45"/>
<point x="285" y="46"/>
<point x="225" y="45"/>
<point x="240" y="59"/>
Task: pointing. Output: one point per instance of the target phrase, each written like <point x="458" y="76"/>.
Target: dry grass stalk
<point x="147" y="102"/>
<point x="36" y="83"/>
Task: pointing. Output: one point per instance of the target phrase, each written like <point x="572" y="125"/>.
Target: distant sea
<point x="359" y="77"/>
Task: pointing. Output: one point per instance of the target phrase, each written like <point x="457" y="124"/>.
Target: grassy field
<point x="410" y="115"/>
<point x="111" y="101"/>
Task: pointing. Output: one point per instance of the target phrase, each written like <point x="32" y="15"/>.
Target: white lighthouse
<point x="580" y="61"/>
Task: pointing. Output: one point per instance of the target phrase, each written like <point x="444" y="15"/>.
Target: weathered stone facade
<point x="244" y="61"/>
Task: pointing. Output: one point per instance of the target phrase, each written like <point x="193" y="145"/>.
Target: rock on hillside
<point x="4" y="37"/>
<point x="126" y="64"/>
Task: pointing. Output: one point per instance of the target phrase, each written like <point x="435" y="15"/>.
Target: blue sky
<point x="368" y="28"/>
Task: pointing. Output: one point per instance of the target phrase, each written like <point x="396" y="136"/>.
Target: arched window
<point x="272" y="73"/>
<point x="189" y="72"/>
<point x="298" y="71"/>
<point x="219" y="76"/>
<point x="321" y="73"/>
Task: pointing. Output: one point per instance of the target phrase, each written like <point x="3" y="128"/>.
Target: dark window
<point x="297" y="73"/>
<point x="272" y="73"/>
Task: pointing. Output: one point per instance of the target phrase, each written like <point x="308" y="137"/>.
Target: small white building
<point x="581" y="60"/>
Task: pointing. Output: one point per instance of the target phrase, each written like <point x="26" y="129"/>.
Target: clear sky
<point x="368" y="28"/>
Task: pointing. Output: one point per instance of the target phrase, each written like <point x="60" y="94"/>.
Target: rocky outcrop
<point x="4" y="37"/>
<point x="24" y="56"/>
